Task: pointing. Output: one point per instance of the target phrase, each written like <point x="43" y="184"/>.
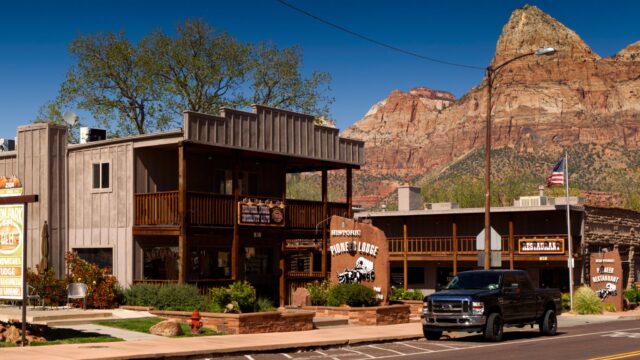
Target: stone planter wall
<point x="414" y="305"/>
<point x="375" y="315"/>
<point x="249" y="323"/>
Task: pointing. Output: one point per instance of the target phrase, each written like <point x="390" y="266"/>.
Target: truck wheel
<point x="494" y="329"/>
<point x="431" y="334"/>
<point x="549" y="324"/>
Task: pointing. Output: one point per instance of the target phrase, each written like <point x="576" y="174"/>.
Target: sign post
<point x="13" y="248"/>
<point x="496" y="248"/>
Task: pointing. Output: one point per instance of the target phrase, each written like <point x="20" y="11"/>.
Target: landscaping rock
<point x="300" y="297"/>
<point x="12" y="334"/>
<point x="167" y="328"/>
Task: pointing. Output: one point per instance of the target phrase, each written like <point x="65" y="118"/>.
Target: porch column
<point x="235" y="246"/>
<point x="511" y="241"/>
<point x="349" y="193"/>
<point x="405" y="248"/>
<point x="182" y="214"/>
<point x="632" y="267"/>
<point x="282" y="267"/>
<point x="325" y="212"/>
<point x="454" y="232"/>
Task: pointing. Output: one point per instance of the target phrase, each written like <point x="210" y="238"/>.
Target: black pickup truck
<point x="487" y="300"/>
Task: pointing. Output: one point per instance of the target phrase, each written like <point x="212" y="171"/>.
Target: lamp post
<point x="491" y="72"/>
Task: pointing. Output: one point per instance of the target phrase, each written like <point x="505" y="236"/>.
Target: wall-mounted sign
<point x="606" y="277"/>
<point x="541" y="246"/>
<point x="359" y="254"/>
<point x="11" y="251"/>
<point x="261" y="212"/>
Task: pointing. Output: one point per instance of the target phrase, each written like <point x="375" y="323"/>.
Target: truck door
<point x="527" y="297"/>
<point x="510" y="297"/>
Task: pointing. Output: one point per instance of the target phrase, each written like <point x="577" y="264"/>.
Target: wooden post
<point x="349" y="193"/>
<point x="405" y="262"/>
<point x="325" y="211"/>
<point x="282" y="267"/>
<point x="511" y="242"/>
<point x="455" y="246"/>
<point x="182" y="214"/>
<point x="235" y="246"/>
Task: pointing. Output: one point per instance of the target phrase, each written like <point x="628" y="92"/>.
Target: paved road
<point x="603" y="341"/>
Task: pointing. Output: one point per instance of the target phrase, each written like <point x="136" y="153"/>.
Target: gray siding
<point x="41" y="151"/>
<point x="274" y="131"/>
<point x="103" y="218"/>
<point x="8" y="163"/>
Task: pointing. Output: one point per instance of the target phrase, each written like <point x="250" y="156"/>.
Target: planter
<point x="248" y="323"/>
<point x="414" y="305"/>
<point x="374" y="315"/>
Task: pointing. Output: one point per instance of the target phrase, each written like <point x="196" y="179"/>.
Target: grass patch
<point x="143" y="325"/>
<point x="57" y="336"/>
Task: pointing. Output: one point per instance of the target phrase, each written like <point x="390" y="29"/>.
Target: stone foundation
<point x="375" y="315"/>
<point x="415" y="307"/>
<point x="249" y="323"/>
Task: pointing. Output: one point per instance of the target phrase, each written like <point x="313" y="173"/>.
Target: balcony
<point x="208" y="209"/>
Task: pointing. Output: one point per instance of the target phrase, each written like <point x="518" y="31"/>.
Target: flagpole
<point x="570" y="258"/>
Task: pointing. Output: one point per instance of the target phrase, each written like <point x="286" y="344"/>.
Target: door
<point x="260" y="270"/>
<point x="527" y="308"/>
<point x="510" y="297"/>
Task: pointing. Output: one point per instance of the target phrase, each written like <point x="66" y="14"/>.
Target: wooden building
<point x="205" y="204"/>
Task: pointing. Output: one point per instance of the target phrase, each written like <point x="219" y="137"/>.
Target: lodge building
<point x="205" y="204"/>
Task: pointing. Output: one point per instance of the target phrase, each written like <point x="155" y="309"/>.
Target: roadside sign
<point x="496" y="240"/>
<point x="496" y="259"/>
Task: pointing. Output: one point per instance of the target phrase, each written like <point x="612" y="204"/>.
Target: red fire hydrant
<point x="196" y="324"/>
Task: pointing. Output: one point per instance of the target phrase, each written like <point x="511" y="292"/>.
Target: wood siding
<point x="41" y="166"/>
<point x="8" y="163"/>
<point x="273" y="131"/>
<point x="103" y="218"/>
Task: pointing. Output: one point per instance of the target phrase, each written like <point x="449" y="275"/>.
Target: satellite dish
<point x="70" y="118"/>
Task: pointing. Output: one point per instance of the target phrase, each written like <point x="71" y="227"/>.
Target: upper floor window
<point x="101" y="176"/>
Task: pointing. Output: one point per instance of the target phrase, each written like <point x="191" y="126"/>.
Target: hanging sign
<point x="541" y="246"/>
<point x="11" y="244"/>
<point x="261" y="212"/>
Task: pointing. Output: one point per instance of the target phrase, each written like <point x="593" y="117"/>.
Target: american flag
<point x="557" y="175"/>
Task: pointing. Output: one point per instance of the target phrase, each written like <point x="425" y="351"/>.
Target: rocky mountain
<point x="541" y="106"/>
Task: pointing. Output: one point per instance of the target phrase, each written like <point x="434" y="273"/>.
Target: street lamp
<point x="491" y="71"/>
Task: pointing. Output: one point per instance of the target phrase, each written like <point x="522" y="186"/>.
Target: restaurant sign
<point x="261" y="212"/>
<point x="11" y="244"/>
<point x="541" y="246"/>
<point x="359" y="254"/>
<point x="606" y="277"/>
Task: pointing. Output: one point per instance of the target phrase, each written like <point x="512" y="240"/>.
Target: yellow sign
<point x="11" y="251"/>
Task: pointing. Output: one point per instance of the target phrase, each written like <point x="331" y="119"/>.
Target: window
<point x="101" y="176"/>
<point x="102" y="257"/>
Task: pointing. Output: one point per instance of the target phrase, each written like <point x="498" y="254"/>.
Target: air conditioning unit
<point x="89" y="134"/>
<point x="7" y="145"/>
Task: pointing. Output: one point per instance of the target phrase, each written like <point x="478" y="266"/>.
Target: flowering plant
<point x="101" y="286"/>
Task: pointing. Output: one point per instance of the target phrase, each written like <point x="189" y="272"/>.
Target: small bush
<point x="179" y="297"/>
<point x="585" y="301"/>
<point x="101" y="285"/>
<point x="566" y="302"/>
<point x="402" y="294"/>
<point x="319" y="293"/>
<point x="142" y="295"/>
<point x="609" y="307"/>
<point x="351" y="294"/>
<point x="241" y="294"/>
<point x="264" y="304"/>
<point x="52" y="289"/>
<point x="632" y="295"/>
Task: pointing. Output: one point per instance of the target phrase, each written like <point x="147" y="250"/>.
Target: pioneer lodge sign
<point x="359" y="254"/>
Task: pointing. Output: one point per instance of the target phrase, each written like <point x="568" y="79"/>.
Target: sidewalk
<point x="219" y="345"/>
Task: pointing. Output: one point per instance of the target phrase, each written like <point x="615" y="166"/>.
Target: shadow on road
<point x="508" y="336"/>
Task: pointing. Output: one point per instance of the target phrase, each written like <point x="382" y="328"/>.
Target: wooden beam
<point x="182" y="214"/>
<point x="511" y="249"/>
<point x="325" y="211"/>
<point x="454" y="231"/>
<point x="156" y="230"/>
<point x="283" y="271"/>
<point x="349" y="192"/>
<point x="405" y="257"/>
<point x="20" y="199"/>
<point x="235" y="246"/>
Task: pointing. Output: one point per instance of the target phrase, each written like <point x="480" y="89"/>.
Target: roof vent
<point x="442" y="206"/>
<point x="89" y="134"/>
<point x="7" y="145"/>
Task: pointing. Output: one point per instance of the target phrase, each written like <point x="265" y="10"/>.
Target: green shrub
<point x="141" y="295"/>
<point x="632" y="295"/>
<point x="319" y="293"/>
<point x="52" y="289"/>
<point x="179" y="297"/>
<point x="241" y="294"/>
<point x="264" y="304"/>
<point x="609" y="307"/>
<point x="352" y="295"/>
<point x="566" y="302"/>
<point x="402" y="294"/>
<point x="585" y="301"/>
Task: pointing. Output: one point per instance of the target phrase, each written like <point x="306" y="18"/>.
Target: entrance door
<point x="260" y="269"/>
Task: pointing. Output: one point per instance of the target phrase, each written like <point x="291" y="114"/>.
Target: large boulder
<point x="167" y="328"/>
<point x="301" y="297"/>
<point x="12" y="334"/>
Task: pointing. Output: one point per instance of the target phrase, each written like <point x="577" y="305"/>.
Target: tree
<point x="277" y="82"/>
<point x="200" y="70"/>
<point x="112" y="80"/>
<point x="52" y="112"/>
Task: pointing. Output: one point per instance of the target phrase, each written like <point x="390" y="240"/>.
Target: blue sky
<point x="34" y="36"/>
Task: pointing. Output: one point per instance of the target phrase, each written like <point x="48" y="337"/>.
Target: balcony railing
<point x="444" y="245"/>
<point x="208" y="209"/>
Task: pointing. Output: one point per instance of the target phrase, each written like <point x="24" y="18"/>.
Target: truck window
<point x="509" y="281"/>
<point x="524" y="282"/>
<point x="474" y="280"/>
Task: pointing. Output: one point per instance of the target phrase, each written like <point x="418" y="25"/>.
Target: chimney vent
<point x="409" y="198"/>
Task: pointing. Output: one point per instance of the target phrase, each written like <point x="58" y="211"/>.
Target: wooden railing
<point x="444" y="245"/>
<point x="209" y="209"/>
<point x="205" y="209"/>
<point x="303" y="274"/>
<point x="159" y="208"/>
